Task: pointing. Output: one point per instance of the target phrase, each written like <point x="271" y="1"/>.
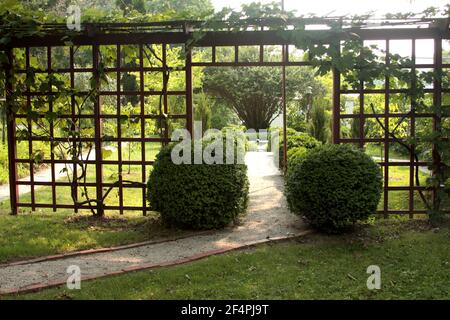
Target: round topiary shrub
<point x="333" y="187"/>
<point x="295" y="140"/>
<point x="279" y="132"/>
<point x="197" y="196"/>
<point x="295" y="155"/>
<point x="302" y="139"/>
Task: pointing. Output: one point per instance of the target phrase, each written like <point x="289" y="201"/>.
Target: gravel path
<point x="267" y="218"/>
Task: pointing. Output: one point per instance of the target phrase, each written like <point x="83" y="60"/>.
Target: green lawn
<point x="377" y="150"/>
<point x="132" y="196"/>
<point x="45" y="233"/>
<point x="23" y="169"/>
<point x="414" y="261"/>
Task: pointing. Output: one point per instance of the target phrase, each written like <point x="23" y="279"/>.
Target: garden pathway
<point x="267" y="219"/>
<point x="43" y="175"/>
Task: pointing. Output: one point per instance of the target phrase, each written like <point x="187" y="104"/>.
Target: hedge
<point x="333" y="187"/>
<point x="197" y="196"/>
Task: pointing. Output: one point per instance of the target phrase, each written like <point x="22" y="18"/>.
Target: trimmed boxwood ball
<point x="197" y="196"/>
<point x="295" y="140"/>
<point x="295" y="155"/>
<point x="333" y="187"/>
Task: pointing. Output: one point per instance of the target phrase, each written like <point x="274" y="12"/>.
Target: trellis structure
<point x="258" y="34"/>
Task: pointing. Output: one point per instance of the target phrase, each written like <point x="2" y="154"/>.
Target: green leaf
<point x="51" y="116"/>
<point x="33" y="115"/>
<point x="106" y="153"/>
<point x="38" y="156"/>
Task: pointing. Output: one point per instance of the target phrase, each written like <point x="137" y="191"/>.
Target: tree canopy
<point x="95" y="9"/>
<point x="254" y="93"/>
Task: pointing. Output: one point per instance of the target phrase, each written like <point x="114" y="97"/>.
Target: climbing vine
<point x="45" y="119"/>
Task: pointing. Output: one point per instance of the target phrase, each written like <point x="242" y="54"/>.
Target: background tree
<point x="187" y="9"/>
<point x="254" y="93"/>
<point x="319" y="127"/>
<point x="128" y="5"/>
<point x="202" y="110"/>
<point x="168" y="9"/>
<point x="3" y="120"/>
<point x="313" y="92"/>
<point x="222" y="115"/>
<point x="58" y="7"/>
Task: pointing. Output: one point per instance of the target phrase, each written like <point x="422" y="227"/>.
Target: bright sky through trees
<point x="343" y="7"/>
<point x="424" y="50"/>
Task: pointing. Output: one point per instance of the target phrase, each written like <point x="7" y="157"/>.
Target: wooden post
<point x="11" y="131"/>
<point x="386" y="136"/>
<point x="437" y="101"/>
<point x="283" y="103"/>
<point x="283" y="99"/>
<point x="98" y="134"/>
<point x="336" y="106"/>
<point x="189" y="93"/>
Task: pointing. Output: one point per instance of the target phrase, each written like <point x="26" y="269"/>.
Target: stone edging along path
<point x="267" y="219"/>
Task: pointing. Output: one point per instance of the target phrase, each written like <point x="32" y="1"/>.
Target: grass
<point x="377" y="150"/>
<point x="23" y="169"/>
<point x="414" y="261"/>
<point x="132" y="196"/>
<point x="42" y="233"/>
<point x="399" y="200"/>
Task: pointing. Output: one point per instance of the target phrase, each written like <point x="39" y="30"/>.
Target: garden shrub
<point x="299" y="139"/>
<point x="302" y="139"/>
<point x="239" y="131"/>
<point x="197" y="196"/>
<point x="295" y="155"/>
<point x="235" y="128"/>
<point x="289" y="132"/>
<point x="334" y="186"/>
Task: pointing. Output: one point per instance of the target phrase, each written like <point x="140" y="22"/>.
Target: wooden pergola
<point x="258" y="33"/>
